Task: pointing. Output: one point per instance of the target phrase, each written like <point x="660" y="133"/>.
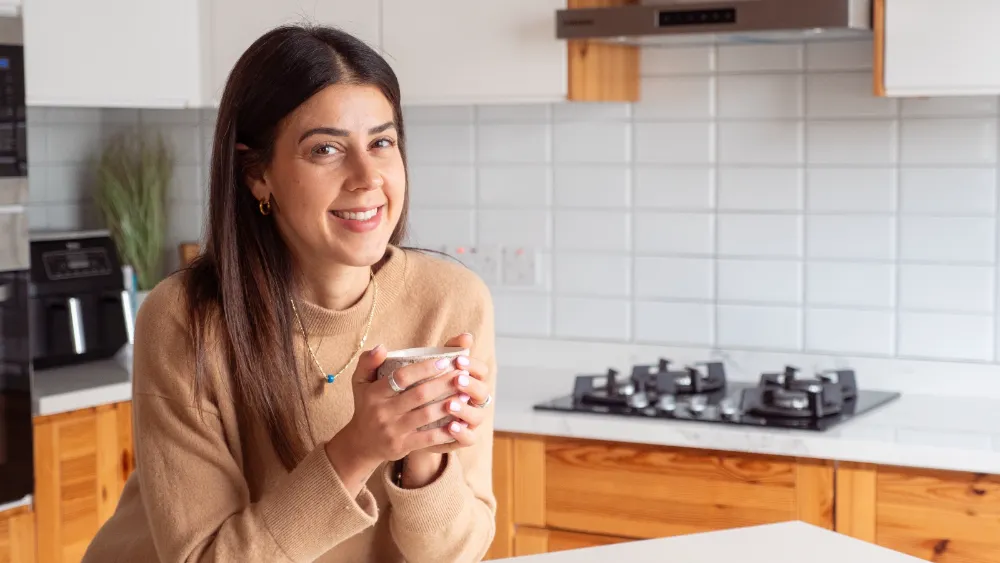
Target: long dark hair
<point x="239" y="285"/>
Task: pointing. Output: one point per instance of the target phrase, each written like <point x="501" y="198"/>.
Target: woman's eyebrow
<point x="336" y="132"/>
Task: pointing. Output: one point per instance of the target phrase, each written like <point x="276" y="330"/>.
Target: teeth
<point x="356" y="216"/>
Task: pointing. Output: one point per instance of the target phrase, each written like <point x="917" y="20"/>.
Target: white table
<point x="788" y="542"/>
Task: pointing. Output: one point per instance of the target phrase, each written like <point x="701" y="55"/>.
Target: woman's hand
<point x="385" y="425"/>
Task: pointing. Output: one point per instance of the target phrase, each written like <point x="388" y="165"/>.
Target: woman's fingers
<point x="473" y="387"/>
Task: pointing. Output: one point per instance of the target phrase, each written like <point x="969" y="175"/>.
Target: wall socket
<point x="519" y="267"/>
<point x="483" y="260"/>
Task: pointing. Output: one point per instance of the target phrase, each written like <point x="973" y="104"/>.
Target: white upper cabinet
<point x="935" y="48"/>
<point x="468" y="51"/>
<point x="235" y="24"/>
<point x="112" y="53"/>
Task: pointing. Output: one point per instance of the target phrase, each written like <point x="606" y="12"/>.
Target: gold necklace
<point x="331" y="377"/>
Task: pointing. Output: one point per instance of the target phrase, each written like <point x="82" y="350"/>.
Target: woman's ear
<point x="253" y="177"/>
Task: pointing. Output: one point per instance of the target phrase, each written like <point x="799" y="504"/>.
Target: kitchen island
<point x="786" y="542"/>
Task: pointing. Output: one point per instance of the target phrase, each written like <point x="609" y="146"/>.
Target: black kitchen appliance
<point x="13" y="113"/>
<point x="80" y="310"/>
<point x="702" y="393"/>
<point x="16" y="451"/>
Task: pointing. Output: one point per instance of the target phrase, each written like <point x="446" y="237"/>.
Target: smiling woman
<point x="262" y="433"/>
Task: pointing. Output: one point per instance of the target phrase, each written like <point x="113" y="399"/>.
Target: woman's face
<point x="336" y="177"/>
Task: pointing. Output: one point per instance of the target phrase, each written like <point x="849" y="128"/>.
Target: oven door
<point x="16" y="436"/>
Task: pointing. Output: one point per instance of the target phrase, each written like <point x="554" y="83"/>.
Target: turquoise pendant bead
<point x="329" y="378"/>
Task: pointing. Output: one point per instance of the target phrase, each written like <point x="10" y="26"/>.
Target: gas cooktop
<point x="701" y="393"/>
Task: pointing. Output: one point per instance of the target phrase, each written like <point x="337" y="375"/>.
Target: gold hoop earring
<point x="265" y="205"/>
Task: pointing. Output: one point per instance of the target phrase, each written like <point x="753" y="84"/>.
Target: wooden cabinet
<point x="559" y="492"/>
<point x="82" y="459"/>
<point x="112" y="53"/>
<point x="17" y="536"/>
<point x="235" y="24"/>
<point x="933" y="48"/>
<point x="943" y="516"/>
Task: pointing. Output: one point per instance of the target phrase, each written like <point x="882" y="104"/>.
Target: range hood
<point x="707" y="21"/>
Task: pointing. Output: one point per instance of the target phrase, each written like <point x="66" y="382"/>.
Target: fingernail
<point x="455" y="427"/>
<point x="463" y="397"/>
<point x="442" y="363"/>
<point x="463" y="379"/>
<point x="454" y="405"/>
<point x="463" y="361"/>
<point x="464" y="424"/>
<point x="375" y="350"/>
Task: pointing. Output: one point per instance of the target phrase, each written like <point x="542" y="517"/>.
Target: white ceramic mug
<point x="400" y="358"/>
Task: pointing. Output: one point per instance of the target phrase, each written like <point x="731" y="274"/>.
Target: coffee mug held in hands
<point x="400" y="358"/>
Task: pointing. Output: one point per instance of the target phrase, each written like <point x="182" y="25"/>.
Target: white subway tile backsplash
<point x="681" y="60"/>
<point x="845" y="94"/>
<point x="528" y="113"/>
<point x="949" y="141"/>
<point x="852" y="142"/>
<point x="592" y="111"/>
<point x="517" y="227"/>
<point x="436" y="227"/>
<point x="592" y="142"/>
<point x="851" y="190"/>
<point x="592" y="186"/>
<point x="760" y="235"/>
<point x="515" y="186"/>
<point x="948" y="190"/>
<point x="948" y="239"/>
<point x="851" y="236"/>
<point x="842" y="331"/>
<point x="760" y="189"/>
<point x="595" y="275"/>
<point x="522" y="314"/>
<point x="947" y="288"/>
<point x="80" y="142"/>
<point x="839" y="55"/>
<point x="759" y="281"/>
<point x="440" y="144"/>
<point x="674" y="143"/>
<point x="760" y="96"/>
<point x="673" y="187"/>
<point x="591" y="230"/>
<point x="438" y="114"/>
<point x="760" y="58"/>
<point x="676" y="97"/>
<point x="674" y="323"/>
<point x="674" y="278"/>
<point x="673" y="233"/>
<point x="442" y="185"/>
<point x="846" y="284"/>
<point x="950" y="106"/>
<point x="513" y="142"/>
<point x="946" y="336"/>
<point x="746" y="326"/>
<point x="743" y="142"/>
<point x="604" y="319"/>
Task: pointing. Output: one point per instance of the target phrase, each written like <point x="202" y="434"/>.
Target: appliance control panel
<point x="674" y="18"/>
<point x="82" y="263"/>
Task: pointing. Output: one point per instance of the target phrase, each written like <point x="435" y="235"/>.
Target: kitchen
<point x="825" y="204"/>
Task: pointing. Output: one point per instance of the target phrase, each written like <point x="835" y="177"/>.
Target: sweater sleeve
<point x="453" y="518"/>
<point x="196" y="499"/>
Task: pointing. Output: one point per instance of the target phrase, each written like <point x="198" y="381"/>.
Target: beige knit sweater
<point x="196" y="495"/>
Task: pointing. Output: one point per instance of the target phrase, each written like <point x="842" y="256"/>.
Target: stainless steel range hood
<point x="705" y="21"/>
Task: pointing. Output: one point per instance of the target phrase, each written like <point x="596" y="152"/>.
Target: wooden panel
<point x="639" y="491"/>
<point x="856" y="495"/>
<point x="529" y="482"/>
<point x="17" y="536"/>
<point x="187" y="251"/>
<point x="599" y="71"/>
<point x="878" y="47"/>
<point x="943" y="516"/>
<point x="532" y="541"/>
<point x="503" y="490"/>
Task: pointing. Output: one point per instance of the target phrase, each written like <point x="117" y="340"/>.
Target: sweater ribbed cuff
<point x="311" y="511"/>
<point x="433" y="507"/>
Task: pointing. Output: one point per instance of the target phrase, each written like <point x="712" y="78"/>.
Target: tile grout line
<point x="897" y="324"/>
<point x="803" y="216"/>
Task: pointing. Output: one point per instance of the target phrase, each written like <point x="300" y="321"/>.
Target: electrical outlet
<point x="520" y="267"/>
<point x="483" y="260"/>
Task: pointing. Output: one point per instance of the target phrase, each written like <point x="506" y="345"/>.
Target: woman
<point x="261" y="432"/>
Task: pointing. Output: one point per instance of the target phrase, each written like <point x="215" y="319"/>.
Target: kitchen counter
<point x="787" y="542"/>
<point x="81" y="386"/>
<point x="951" y="433"/>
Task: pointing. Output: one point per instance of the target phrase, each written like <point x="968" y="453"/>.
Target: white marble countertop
<point x="955" y="433"/>
<point x="80" y="386"/>
<point x="787" y="542"/>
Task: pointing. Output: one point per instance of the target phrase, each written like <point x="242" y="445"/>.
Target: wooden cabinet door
<point x="457" y="51"/>
<point x="532" y="541"/>
<point x="82" y="459"/>
<point x="934" y="48"/>
<point x="112" y="53"/>
<point x="235" y="24"/>
<point x="17" y="536"/>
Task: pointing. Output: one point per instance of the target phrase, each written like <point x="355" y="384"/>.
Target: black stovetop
<point x="702" y="393"/>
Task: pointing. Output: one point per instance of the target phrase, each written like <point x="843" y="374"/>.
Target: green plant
<point x="134" y="171"/>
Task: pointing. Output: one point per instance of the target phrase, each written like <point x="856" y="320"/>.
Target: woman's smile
<point x="359" y="219"/>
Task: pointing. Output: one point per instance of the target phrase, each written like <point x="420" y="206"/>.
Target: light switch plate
<point x="520" y="266"/>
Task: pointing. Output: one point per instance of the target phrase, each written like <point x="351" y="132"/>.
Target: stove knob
<point x="697" y="405"/>
<point x="638" y="401"/>
<point x="727" y="408"/>
<point x="667" y="403"/>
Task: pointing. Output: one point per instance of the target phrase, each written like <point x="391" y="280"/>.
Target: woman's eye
<point x="384" y="143"/>
<point x="325" y="150"/>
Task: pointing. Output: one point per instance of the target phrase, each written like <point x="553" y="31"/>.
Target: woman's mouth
<point x="359" y="220"/>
